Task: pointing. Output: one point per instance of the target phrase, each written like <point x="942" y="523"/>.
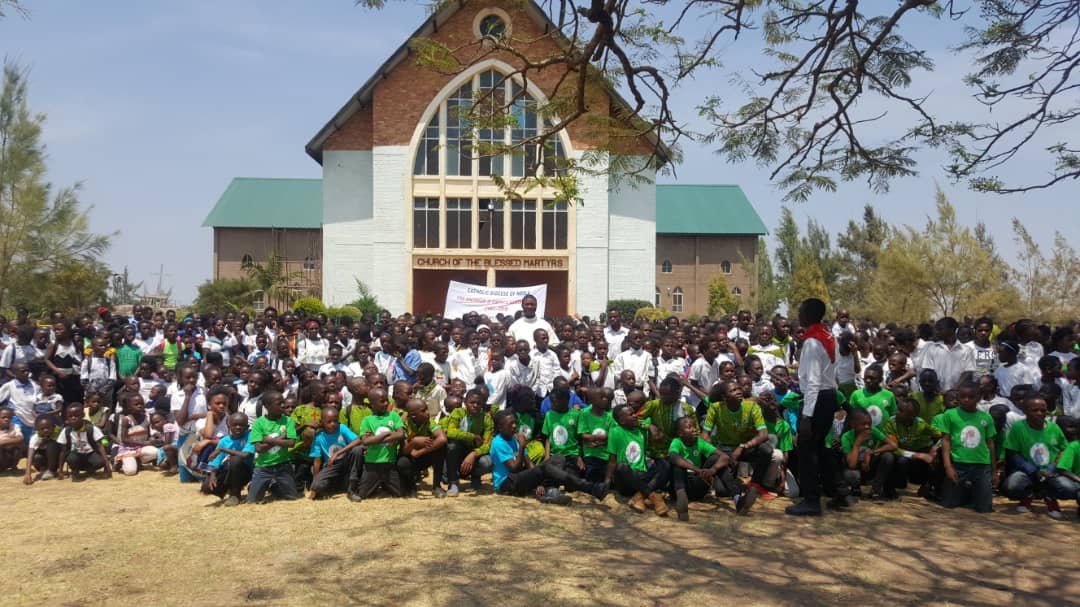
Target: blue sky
<point x="156" y="106"/>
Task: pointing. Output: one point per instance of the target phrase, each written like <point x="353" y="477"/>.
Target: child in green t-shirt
<point x="1067" y="483"/>
<point x="1031" y="448"/>
<point x="867" y="455"/>
<point x="424" y="447"/>
<point x="777" y="478"/>
<point x="470" y="431"/>
<point x="273" y="435"/>
<point x="694" y="464"/>
<point x="628" y="469"/>
<point x="931" y="401"/>
<point x="594" y="425"/>
<point x="968" y="452"/>
<point x="916" y="448"/>
<point x="877" y="401"/>
<point x="561" y="431"/>
<point x="381" y="434"/>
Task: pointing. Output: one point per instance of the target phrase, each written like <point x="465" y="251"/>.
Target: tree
<point x="812" y="106"/>
<point x="367" y="303"/>
<point x="226" y="295"/>
<point x="807" y="280"/>
<point x="40" y="232"/>
<point x="941" y="270"/>
<point x="74" y="286"/>
<point x="765" y="295"/>
<point x="273" y="280"/>
<point x="787" y="235"/>
<point x="860" y="246"/>
<point x="721" y="299"/>
<point x="1051" y="291"/>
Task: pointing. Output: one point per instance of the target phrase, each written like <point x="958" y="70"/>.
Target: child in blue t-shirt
<point x="231" y="462"/>
<point x="333" y="455"/>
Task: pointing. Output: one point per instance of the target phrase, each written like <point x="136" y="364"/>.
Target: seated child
<point x="273" y="435"/>
<point x="628" y="469"/>
<point x="778" y="478"/>
<point x="381" y="434"/>
<point x="594" y="425"/>
<point x="737" y="427"/>
<point x="81" y="443"/>
<point x="11" y="442"/>
<point x="695" y="464"/>
<point x="867" y="455"/>
<point x="333" y="455"/>
<point x="134" y="446"/>
<point x="1031" y="448"/>
<point x="514" y="473"/>
<point x="968" y="452"/>
<point x="560" y="431"/>
<point x="210" y="429"/>
<point x="522" y="401"/>
<point x="424" y="446"/>
<point x="231" y="462"/>
<point x="916" y="448"/>
<point x="163" y="435"/>
<point x="1068" y="465"/>
<point x="469" y="430"/>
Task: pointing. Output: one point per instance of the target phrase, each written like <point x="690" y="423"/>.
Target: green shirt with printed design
<point x="968" y="432"/>
<point x="696" y="454"/>
<point x="379" y="425"/>
<point x="729" y="428"/>
<point x="264" y="427"/>
<point x="881" y="405"/>
<point x="780" y="435"/>
<point x="461" y="426"/>
<point x="595" y="425"/>
<point x="561" y="430"/>
<point x="847" y="440"/>
<point x="1040" y="447"/>
<point x="919" y="436"/>
<point x="665" y="417"/>
<point x="628" y="447"/>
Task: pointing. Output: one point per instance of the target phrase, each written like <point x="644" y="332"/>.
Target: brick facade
<point x="695" y="260"/>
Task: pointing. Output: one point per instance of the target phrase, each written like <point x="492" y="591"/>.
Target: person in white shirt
<point x="470" y="363"/>
<point x="547" y="364"/>
<point x="635" y="359"/>
<point x="335" y="364"/>
<point x="948" y="357"/>
<point x="615" y="333"/>
<point x="312" y="351"/>
<point x="525" y="327"/>
<point x="742" y="329"/>
<point x="1011" y="372"/>
<point x="817" y="379"/>
<point x="523" y="369"/>
<point x="705" y="371"/>
<point x="20" y="394"/>
<point x="842" y="324"/>
<point x="983" y="351"/>
<point x="258" y="381"/>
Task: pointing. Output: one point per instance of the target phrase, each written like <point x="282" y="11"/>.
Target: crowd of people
<point x="737" y="408"/>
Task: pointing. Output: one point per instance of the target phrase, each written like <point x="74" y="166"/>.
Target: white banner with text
<point x="462" y="297"/>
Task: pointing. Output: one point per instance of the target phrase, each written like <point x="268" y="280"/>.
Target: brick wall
<point x="695" y="260"/>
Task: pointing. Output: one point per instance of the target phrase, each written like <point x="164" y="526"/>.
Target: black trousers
<point x="595" y="469"/>
<point x="409" y="469"/>
<point x="815" y="464"/>
<point x="85" y="462"/>
<point x="231" y="477"/>
<point x="909" y="470"/>
<point x="383" y="475"/>
<point x="47" y="457"/>
<point x="628" y="481"/>
<point x="693" y="485"/>
<point x="335" y="479"/>
<point x="552" y="472"/>
<point x="760" y="458"/>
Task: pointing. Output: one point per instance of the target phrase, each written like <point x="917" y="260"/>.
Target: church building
<point x="405" y="207"/>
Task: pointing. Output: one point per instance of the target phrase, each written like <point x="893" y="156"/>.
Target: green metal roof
<point x="252" y="202"/>
<point x="705" y="209"/>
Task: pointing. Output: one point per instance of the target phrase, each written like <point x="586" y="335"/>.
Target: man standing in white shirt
<point x="614" y="334"/>
<point x="817" y="379"/>
<point x="949" y="358"/>
<point x="526" y="326"/>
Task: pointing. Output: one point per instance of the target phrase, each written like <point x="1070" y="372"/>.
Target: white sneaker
<point x="1054" y="514"/>
<point x="1023" y="509"/>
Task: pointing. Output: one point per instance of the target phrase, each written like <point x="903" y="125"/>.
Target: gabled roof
<point x="362" y="97"/>
<point x="706" y="209"/>
<point x="255" y="202"/>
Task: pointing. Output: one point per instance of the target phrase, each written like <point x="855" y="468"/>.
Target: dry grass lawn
<point x="149" y="540"/>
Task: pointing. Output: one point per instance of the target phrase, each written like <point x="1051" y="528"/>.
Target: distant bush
<point x="310" y="306"/>
<point x="627" y="307"/>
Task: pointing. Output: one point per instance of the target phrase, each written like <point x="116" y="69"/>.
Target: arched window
<point x="657" y="302"/>
<point x="246" y="260"/>
<point x="468" y="151"/>
<point x="725" y="267"/>
<point x="677" y="299"/>
<point x="737" y="292"/>
<point x="665" y="267"/>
